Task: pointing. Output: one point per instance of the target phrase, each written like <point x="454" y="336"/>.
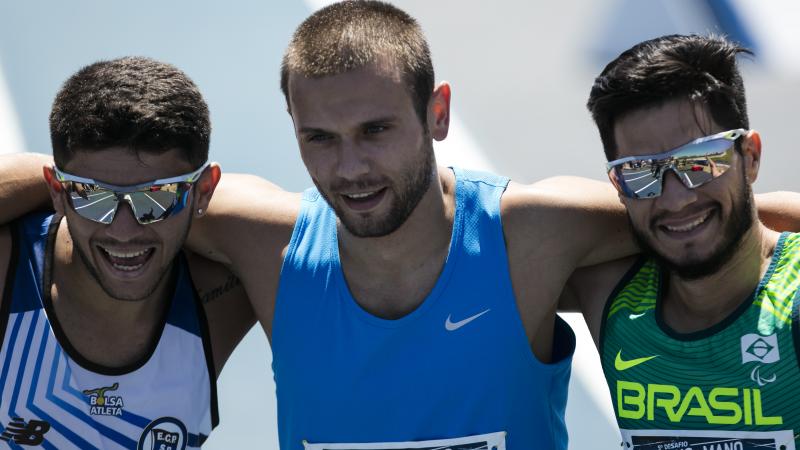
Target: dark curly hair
<point x="134" y="102"/>
<point x="697" y="68"/>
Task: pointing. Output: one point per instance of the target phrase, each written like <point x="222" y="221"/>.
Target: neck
<point x="391" y="275"/>
<point x="695" y="304"/>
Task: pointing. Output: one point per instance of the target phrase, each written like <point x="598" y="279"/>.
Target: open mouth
<point x="127" y="260"/>
<point x="362" y="201"/>
<point x="690" y="227"/>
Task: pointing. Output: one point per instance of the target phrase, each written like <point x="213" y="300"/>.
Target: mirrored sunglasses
<point x="150" y="202"/>
<point x="695" y="164"/>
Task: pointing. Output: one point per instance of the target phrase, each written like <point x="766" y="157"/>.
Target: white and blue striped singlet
<point x="53" y="398"/>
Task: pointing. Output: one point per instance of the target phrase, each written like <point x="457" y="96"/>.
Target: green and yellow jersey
<point x="732" y="386"/>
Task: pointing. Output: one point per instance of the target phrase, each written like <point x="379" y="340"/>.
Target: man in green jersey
<point x="698" y="339"/>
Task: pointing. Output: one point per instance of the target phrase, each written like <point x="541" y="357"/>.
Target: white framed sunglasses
<point x="696" y="163"/>
<point x="151" y="202"/>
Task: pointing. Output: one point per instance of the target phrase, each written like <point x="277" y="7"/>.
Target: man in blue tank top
<point x="408" y="305"/>
<point x="104" y="341"/>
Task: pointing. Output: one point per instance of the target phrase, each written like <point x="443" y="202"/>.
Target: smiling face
<point x="692" y="231"/>
<point x="364" y="146"/>
<point x="127" y="259"/>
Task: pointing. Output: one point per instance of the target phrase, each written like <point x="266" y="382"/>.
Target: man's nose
<point x="124" y="227"/>
<point x="674" y="194"/>
<point x="352" y="163"/>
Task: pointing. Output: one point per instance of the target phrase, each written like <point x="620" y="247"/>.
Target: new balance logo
<point x="25" y="433"/>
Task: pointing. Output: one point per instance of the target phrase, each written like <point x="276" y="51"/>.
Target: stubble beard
<point x="415" y="184"/>
<point x="738" y="224"/>
<point x="122" y="295"/>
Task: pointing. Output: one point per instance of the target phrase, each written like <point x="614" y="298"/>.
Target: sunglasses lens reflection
<point x="694" y="166"/>
<point x="100" y="205"/>
<point x="158" y="204"/>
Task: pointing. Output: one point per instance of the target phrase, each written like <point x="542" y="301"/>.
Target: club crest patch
<point x="165" y="433"/>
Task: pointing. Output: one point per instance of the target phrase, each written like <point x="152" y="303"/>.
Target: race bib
<point x="492" y="441"/>
<point x="707" y="440"/>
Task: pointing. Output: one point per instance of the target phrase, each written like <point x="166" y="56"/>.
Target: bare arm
<point x="551" y="228"/>
<point x="227" y="307"/>
<point x="589" y="214"/>
<point x="22" y="188"/>
<point x="247" y="228"/>
<point x="590" y="211"/>
<point x="779" y="210"/>
<point x="246" y="213"/>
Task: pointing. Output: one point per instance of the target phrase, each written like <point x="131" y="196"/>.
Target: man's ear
<point x="54" y="187"/>
<point x="439" y="111"/>
<point x="751" y="151"/>
<point x="204" y="188"/>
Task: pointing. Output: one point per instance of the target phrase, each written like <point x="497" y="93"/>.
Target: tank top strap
<point x="31" y="235"/>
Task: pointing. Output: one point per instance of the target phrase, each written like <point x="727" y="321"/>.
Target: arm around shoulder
<point x="575" y="216"/>
<point x="22" y="188"/>
<point x="246" y="215"/>
<point x="779" y="210"/>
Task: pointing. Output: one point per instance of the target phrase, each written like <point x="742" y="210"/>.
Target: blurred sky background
<point x="521" y="71"/>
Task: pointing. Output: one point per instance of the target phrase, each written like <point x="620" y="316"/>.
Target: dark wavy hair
<point x="697" y="68"/>
<point x="133" y="102"/>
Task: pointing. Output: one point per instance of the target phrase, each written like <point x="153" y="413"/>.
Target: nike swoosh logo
<point x="635" y="316"/>
<point x="621" y="365"/>
<point x="453" y="326"/>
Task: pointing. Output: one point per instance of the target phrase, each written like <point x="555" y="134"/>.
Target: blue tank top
<point x="53" y="398"/>
<point x="459" y="365"/>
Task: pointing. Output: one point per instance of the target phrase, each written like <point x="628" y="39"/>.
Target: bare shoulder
<point x="537" y="218"/>
<point x="250" y="199"/>
<point x="551" y="228"/>
<point x="558" y="202"/>
<point x="247" y="217"/>
<point x="5" y="258"/>
<point x="579" y="219"/>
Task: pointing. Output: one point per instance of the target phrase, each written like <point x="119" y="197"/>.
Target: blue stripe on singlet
<point x="102" y="429"/>
<point x="127" y="416"/>
<point x="21" y="371"/>
<point x="55" y="424"/>
<point x="10" y="352"/>
<point x="193" y="440"/>
<point x="37" y="370"/>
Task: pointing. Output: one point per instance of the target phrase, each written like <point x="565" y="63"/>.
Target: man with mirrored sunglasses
<point x="698" y="338"/>
<point x="108" y="340"/>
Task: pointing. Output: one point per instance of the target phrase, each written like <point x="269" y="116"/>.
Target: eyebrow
<point x="312" y="130"/>
<point x="309" y="130"/>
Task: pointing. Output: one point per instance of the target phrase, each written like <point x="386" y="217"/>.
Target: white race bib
<point x="707" y="440"/>
<point x="492" y="441"/>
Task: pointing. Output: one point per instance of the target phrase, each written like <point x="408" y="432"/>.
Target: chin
<point x="136" y="293"/>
